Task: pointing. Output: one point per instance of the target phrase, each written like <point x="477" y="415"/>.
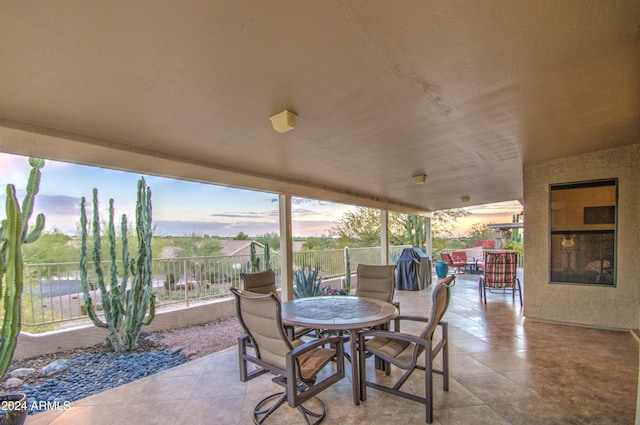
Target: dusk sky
<point x="181" y="207"/>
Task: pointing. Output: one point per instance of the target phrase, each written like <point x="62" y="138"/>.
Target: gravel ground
<point x="95" y="369"/>
<point x="204" y="339"/>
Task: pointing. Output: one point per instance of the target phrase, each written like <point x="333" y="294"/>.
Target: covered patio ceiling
<point x="465" y="92"/>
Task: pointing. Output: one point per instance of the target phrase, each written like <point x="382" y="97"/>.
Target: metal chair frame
<point x="296" y="390"/>
<point x="423" y="343"/>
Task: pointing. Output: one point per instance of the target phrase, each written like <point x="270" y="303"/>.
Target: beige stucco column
<point x="286" y="248"/>
<point x="428" y="244"/>
<point x="384" y="237"/>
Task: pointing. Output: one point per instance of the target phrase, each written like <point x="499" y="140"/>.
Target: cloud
<point x="252" y="228"/>
<point x="51" y="204"/>
<point x="303" y="201"/>
<point x="248" y="214"/>
<point x="215" y="228"/>
<point x="58" y="204"/>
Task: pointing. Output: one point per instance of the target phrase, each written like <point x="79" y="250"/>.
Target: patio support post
<point x="384" y="237"/>
<point x="428" y="245"/>
<point x="286" y="248"/>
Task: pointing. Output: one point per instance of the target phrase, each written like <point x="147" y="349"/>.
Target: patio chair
<point x="264" y="282"/>
<point x="294" y="364"/>
<point x="447" y="258"/>
<point x="375" y="281"/>
<point x="470" y="265"/>
<point x="260" y="282"/>
<point x="480" y="266"/>
<point x="404" y="349"/>
<point x="500" y="273"/>
<point x="378" y="282"/>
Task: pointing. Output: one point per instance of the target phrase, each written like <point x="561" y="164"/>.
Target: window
<point x="583" y="219"/>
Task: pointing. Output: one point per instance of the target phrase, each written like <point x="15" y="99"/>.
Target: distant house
<point x="241" y="247"/>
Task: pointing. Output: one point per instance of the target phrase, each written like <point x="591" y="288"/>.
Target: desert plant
<point x="254" y="259"/>
<point x="125" y="310"/>
<point x="347" y="271"/>
<point x="308" y="283"/>
<point x="267" y="256"/>
<point x="14" y="232"/>
<point x="170" y="281"/>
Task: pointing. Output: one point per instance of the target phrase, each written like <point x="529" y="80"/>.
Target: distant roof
<point x="233" y="246"/>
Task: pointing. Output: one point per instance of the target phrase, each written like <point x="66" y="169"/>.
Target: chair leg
<point x="259" y="411"/>
<point x="428" y="378"/>
<point x="260" y="414"/>
<point x="319" y="416"/>
<point x="519" y="290"/>
<point x="363" y="370"/>
<point x="445" y="357"/>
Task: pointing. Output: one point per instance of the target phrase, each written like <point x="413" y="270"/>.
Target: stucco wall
<point x="601" y="307"/>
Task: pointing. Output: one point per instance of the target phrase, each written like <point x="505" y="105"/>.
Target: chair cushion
<point x="397" y="352"/>
<point x="312" y="361"/>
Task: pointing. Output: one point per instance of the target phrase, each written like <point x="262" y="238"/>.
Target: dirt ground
<point x="200" y="340"/>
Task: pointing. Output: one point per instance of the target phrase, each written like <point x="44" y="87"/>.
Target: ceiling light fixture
<point x="465" y="199"/>
<point x="419" y="178"/>
<point x="284" y="121"/>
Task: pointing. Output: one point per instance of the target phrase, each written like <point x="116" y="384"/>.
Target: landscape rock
<point x="22" y="372"/>
<point x="12" y="383"/>
<point x="176" y="350"/>
<point x="54" y="367"/>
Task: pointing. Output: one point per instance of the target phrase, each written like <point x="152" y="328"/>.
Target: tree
<point x="318" y="243"/>
<point x="192" y="245"/>
<point x="52" y="247"/>
<point x="359" y="228"/>
<point x="241" y="236"/>
<point x="443" y="221"/>
<point x="479" y="231"/>
<point x="271" y="239"/>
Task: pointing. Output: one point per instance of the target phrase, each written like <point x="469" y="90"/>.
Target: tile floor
<point x="504" y="370"/>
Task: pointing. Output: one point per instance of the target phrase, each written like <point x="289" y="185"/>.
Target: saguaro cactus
<point x="347" y="271"/>
<point x="254" y="260"/>
<point x="267" y="257"/>
<point x="125" y="310"/>
<point x="14" y="232"/>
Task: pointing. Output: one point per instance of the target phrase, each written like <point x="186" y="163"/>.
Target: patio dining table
<point x="340" y="313"/>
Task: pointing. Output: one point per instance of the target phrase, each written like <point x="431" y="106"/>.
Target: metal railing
<point x="53" y="292"/>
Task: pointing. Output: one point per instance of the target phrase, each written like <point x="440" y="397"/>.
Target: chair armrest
<point x="393" y="335"/>
<point x="310" y="345"/>
<point x="413" y="318"/>
<point x="243" y="340"/>
<point x="399" y="319"/>
<point x="294" y="396"/>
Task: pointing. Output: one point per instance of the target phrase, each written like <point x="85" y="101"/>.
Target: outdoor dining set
<point x="277" y="341"/>
<point x="278" y="336"/>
